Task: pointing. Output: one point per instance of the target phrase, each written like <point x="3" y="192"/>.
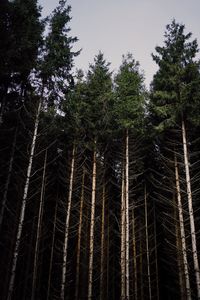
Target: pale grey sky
<point x="119" y="26"/>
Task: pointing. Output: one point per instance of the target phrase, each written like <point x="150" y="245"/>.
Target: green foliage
<point x="129" y="95"/>
<point x="99" y="99"/>
<point x="175" y="87"/>
<point x="57" y="57"/>
<point x="20" y="37"/>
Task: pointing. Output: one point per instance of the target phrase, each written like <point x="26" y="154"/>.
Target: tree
<point x="52" y="65"/>
<point x="129" y="116"/>
<point x="175" y="94"/>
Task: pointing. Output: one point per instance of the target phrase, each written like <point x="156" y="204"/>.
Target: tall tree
<point x="129" y="114"/>
<point x="53" y="64"/>
<point x="175" y="98"/>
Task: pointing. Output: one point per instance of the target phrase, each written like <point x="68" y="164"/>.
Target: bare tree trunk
<point x="123" y="249"/>
<point x="156" y="253"/>
<point x="141" y="266"/>
<point x="182" y="232"/>
<point x="102" y="244"/>
<point x="24" y="201"/>
<point x="65" y="248"/>
<point x="79" y="236"/>
<point x="191" y="212"/>
<point x="4" y="200"/>
<point x="147" y="243"/>
<point x="39" y="223"/>
<point x="2" y="108"/>
<point x="92" y="219"/>
<point x="108" y="256"/>
<point x="134" y="258"/>
<point x="127" y="214"/>
<point x="52" y="250"/>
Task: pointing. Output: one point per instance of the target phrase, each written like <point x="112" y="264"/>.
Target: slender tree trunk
<point x="92" y="219"/>
<point x="147" y="243"/>
<point x="182" y="232"/>
<point x="4" y="200"/>
<point x="156" y="253"/>
<point x="108" y="255"/>
<point x="52" y="250"/>
<point x="39" y="224"/>
<point x="102" y="244"/>
<point x="24" y="201"/>
<point x="127" y="215"/>
<point x="79" y="236"/>
<point x="3" y="104"/>
<point x="135" y="282"/>
<point x="141" y="265"/>
<point x="65" y="248"/>
<point x="123" y="249"/>
<point x="191" y="212"/>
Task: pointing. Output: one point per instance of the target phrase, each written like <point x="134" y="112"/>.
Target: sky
<point x="116" y="27"/>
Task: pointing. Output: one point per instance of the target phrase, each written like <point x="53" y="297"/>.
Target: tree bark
<point x="79" y="236"/>
<point x="4" y="200"/>
<point x="92" y="219"/>
<point x="191" y="212"/>
<point x="182" y="232"/>
<point x="65" y="247"/>
<point x="147" y="243"/>
<point x="156" y="253"/>
<point x="123" y="248"/>
<point x="134" y="258"/>
<point x="52" y="250"/>
<point x="24" y="201"/>
<point x="102" y="244"/>
<point x="127" y="214"/>
<point x="39" y="224"/>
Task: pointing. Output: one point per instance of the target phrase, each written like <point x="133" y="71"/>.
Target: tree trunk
<point x="4" y="200"/>
<point x="191" y="213"/>
<point x="102" y="244"/>
<point x="156" y="253"/>
<point x="52" y="249"/>
<point x="65" y="247"/>
<point x="24" y="201"/>
<point x="182" y="232"/>
<point x="127" y="214"/>
<point x="39" y="223"/>
<point x="147" y="243"/>
<point x="135" y="284"/>
<point x="92" y="219"/>
<point x="79" y="236"/>
<point x="123" y="248"/>
<point x="141" y="264"/>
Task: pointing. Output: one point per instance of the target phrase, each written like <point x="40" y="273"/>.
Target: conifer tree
<point x="175" y="101"/>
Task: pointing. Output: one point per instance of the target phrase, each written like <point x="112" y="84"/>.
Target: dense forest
<point x="99" y="181"/>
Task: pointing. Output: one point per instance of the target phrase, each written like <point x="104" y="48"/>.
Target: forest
<point x="100" y="177"/>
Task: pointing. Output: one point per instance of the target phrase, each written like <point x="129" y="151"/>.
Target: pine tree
<point x="174" y="99"/>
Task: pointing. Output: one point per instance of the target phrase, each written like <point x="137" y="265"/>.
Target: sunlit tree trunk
<point x="141" y="264"/>
<point x="65" y="247"/>
<point x="92" y="219"/>
<point x="39" y="224"/>
<point x="127" y="214"/>
<point x="134" y="258"/>
<point x="123" y="248"/>
<point x="191" y="212"/>
<point x="102" y="243"/>
<point x="182" y="232"/>
<point x="24" y="201"/>
<point x="4" y="200"/>
<point x="79" y="236"/>
<point x="147" y="243"/>
<point x="156" y="253"/>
